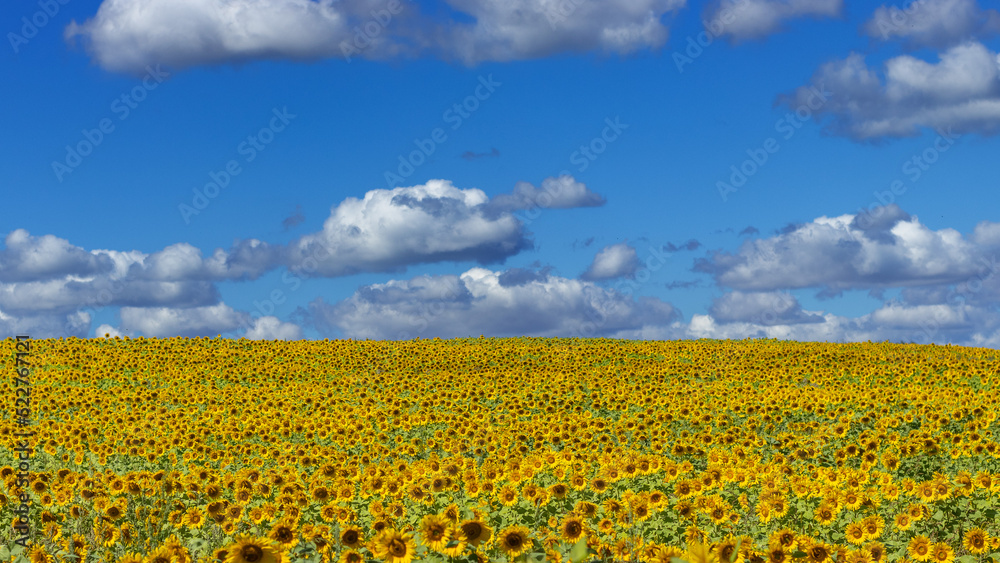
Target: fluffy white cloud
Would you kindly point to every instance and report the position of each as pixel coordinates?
(505, 30)
(388, 230)
(165, 322)
(959, 93)
(933, 23)
(480, 301)
(614, 261)
(851, 252)
(272, 328)
(128, 35)
(752, 19)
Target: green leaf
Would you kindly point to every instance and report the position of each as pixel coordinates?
(579, 551)
(966, 559)
(939, 515)
(677, 560)
(536, 557)
(799, 554)
(4, 553)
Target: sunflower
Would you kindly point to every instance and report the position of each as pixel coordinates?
(572, 529)
(254, 550)
(394, 546)
(456, 542)
(586, 509)
(855, 533)
(698, 552)
(873, 527)
(725, 549)
(351, 537)
(976, 541)
(283, 533)
(784, 538)
(130, 557)
(194, 518)
(858, 556)
(818, 552)
(919, 548)
(476, 531)
(877, 551)
(514, 541)
(942, 553)
(903, 521)
(775, 554)
(351, 556)
(163, 554)
(434, 531)
(37, 554)
(507, 495)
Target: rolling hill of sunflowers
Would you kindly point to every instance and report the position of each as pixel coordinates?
(527, 449)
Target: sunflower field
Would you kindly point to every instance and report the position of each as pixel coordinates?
(503, 450)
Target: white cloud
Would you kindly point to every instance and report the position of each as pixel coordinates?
(128, 35)
(165, 322)
(958, 93)
(391, 229)
(614, 261)
(506, 30)
(751, 19)
(478, 302)
(843, 252)
(272, 328)
(563, 192)
(933, 23)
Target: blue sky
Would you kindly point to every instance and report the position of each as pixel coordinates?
(574, 168)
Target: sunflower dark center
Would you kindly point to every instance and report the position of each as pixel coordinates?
(397, 548)
(252, 553)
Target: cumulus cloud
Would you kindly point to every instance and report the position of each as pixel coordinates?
(933, 23)
(615, 261)
(272, 328)
(165, 322)
(752, 19)
(836, 254)
(763, 308)
(563, 192)
(388, 230)
(476, 302)
(958, 94)
(128, 35)
(27, 258)
(504, 30)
